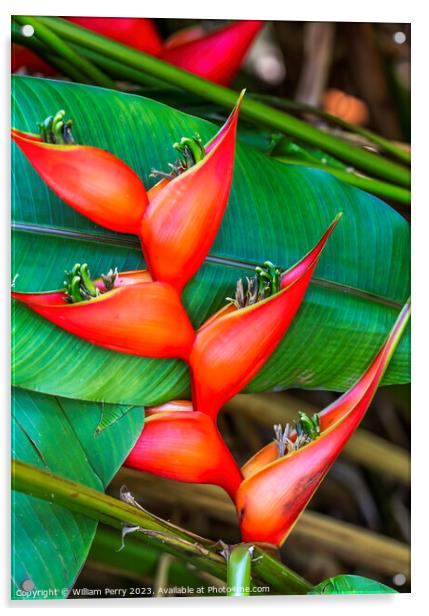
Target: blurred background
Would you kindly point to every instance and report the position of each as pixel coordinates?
(359, 520)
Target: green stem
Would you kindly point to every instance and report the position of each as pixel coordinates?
(45, 53)
(154, 531)
(250, 109)
(139, 561)
(376, 187)
(384, 144)
(114, 69)
(64, 51)
(239, 571)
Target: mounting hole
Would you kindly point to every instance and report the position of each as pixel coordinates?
(27, 30)
(399, 579)
(400, 37)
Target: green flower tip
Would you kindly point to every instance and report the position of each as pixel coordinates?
(54, 129)
(191, 151)
(79, 286)
(307, 429)
(266, 282)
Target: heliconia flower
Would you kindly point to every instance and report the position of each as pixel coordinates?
(90, 180)
(21, 57)
(183, 217)
(136, 32)
(179, 223)
(281, 479)
(233, 345)
(125, 312)
(185, 446)
(216, 56)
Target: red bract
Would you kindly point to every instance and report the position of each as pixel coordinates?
(21, 57)
(138, 316)
(277, 489)
(184, 215)
(135, 32)
(232, 346)
(179, 223)
(92, 181)
(185, 446)
(216, 56)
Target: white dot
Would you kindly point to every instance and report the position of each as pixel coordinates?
(27, 30)
(399, 579)
(270, 68)
(399, 37)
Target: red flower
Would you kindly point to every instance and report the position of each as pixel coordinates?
(93, 181)
(135, 32)
(232, 346)
(136, 316)
(184, 445)
(179, 223)
(184, 214)
(281, 479)
(215, 56)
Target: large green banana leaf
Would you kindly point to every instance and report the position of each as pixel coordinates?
(275, 212)
(49, 543)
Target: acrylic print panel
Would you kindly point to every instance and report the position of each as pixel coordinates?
(211, 314)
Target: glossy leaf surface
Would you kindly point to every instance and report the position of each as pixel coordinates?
(50, 543)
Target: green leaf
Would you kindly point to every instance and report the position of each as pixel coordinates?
(50, 543)
(110, 414)
(350, 585)
(275, 212)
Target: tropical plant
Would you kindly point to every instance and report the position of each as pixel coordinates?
(260, 275)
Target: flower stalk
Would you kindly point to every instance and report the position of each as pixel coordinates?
(239, 564)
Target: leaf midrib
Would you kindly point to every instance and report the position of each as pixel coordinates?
(132, 243)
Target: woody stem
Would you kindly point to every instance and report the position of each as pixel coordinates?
(165, 536)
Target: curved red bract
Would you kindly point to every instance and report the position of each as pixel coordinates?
(92, 181)
(232, 346)
(185, 446)
(276, 489)
(140, 318)
(184, 214)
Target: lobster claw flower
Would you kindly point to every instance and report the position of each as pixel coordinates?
(136, 32)
(185, 446)
(280, 482)
(177, 219)
(232, 345)
(184, 214)
(92, 181)
(215, 56)
(132, 314)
